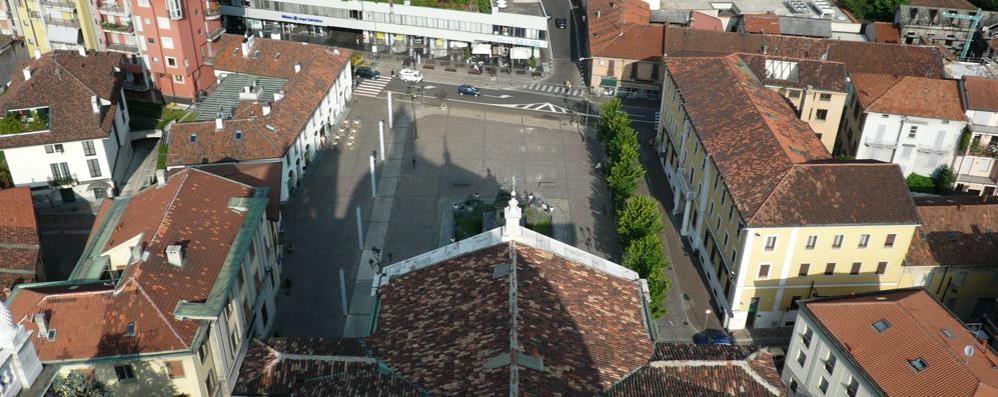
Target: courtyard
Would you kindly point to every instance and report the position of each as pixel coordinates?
(434, 159)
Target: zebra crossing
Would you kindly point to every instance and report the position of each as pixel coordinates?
(556, 89)
(540, 107)
(371, 88)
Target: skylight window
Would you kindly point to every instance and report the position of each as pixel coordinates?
(130, 329)
(194, 138)
(239, 135)
(881, 326)
(948, 333)
(918, 365)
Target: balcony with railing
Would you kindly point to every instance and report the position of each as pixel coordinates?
(934, 149)
(123, 47)
(213, 11)
(216, 33)
(69, 23)
(881, 144)
(117, 27)
(59, 5)
(61, 181)
(112, 8)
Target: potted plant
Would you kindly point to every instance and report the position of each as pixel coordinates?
(532, 63)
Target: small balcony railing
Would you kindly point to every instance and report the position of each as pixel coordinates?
(123, 47)
(932, 149)
(63, 5)
(881, 144)
(69, 23)
(116, 27)
(215, 34)
(981, 150)
(210, 60)
(113, 9)
(59, 181)
(212, 12)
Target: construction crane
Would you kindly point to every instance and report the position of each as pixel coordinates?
(974, 21)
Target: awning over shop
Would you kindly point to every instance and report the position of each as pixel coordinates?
(608, 82)
(63, 34)
(520, 53)
(482, 49)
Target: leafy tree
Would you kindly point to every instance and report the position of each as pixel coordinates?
(624, 176)
(611, 119)
(625, 137)
(6, 180)
(78, 384)
(965, 139)
(11, 125)
(877, 10)
(987, 5)
(356, 60)
(945, 180)
(646, 256)
(532, 62)
(639, 217)
(920, 183)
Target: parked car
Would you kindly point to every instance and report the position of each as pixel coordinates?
(561, 23)
(713, 337)
(466, 89)
(368, 73)
(410, 75)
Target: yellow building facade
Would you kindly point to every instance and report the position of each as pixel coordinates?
(57, 24)
(758, 261)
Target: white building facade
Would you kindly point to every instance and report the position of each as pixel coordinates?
(20, 364)
(816, 367)
(89, 170)
(402, 28)
(919, 145)
(975, 165)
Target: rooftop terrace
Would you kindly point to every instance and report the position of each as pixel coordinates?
(799, 8)
(235, 88)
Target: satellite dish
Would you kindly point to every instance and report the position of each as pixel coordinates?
(968, 351)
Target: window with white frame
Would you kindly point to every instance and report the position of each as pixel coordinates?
(811, 242)
(179, 79)
(166, 42)
(837, 241)
(171, 62)
(864, 240)
(770, 243)
(163, 23)
(763, 272)
(144, 3)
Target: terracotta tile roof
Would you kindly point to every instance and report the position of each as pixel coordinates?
(907, 60)
(193, 209)
(270, 136)
(18, 238)
(953, 4)
(761, 23)
(441, 326)
(621, 29)
(822, 75)
(304, 367)
(838, 192)
(919, 320)
(701, 21)
(65, 82)
(886, 32)
(981, 93)
(703, 371)
(256, 175)
(955, 231)
(909, 96)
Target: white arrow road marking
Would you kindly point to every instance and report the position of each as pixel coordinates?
(503, 96)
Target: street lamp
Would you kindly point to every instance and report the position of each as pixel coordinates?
(706, 316)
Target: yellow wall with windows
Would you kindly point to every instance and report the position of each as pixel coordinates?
(34, 28)
(151, 377)
(959, 288)
(827, 129)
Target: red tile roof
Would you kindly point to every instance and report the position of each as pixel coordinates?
(909, 96)
(918, 320)
(704, 371)
(191, 209)
(320, 67)
(761, 23)
(906, 60)
(886, 32)
(953, 4)
(768, 157)
(981, 93)
(65, 82)
(18, 238)
(441, 326)
(956, 231)
(821, 75)
(305, 367)
(701, 21)
(621, 29)
(256, 175)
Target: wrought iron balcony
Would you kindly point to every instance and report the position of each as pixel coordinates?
(59, 181)
(120, 28)
(63, 5)
(215, 34)
(110, 8)
(70, 23)
(123, 47)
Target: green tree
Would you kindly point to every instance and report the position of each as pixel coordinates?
(639, 217)
(624, 176)
(11, 125)
(920, 183)
(987, 5)
(78, 384)
(877, 10)
(6, 180)
(611, 119)
(945, 180)
(646, 257)
(626, 137)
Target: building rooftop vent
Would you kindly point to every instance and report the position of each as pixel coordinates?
(175, 255)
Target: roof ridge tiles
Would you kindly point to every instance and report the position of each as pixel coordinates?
(744, 365)
(159, 312)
